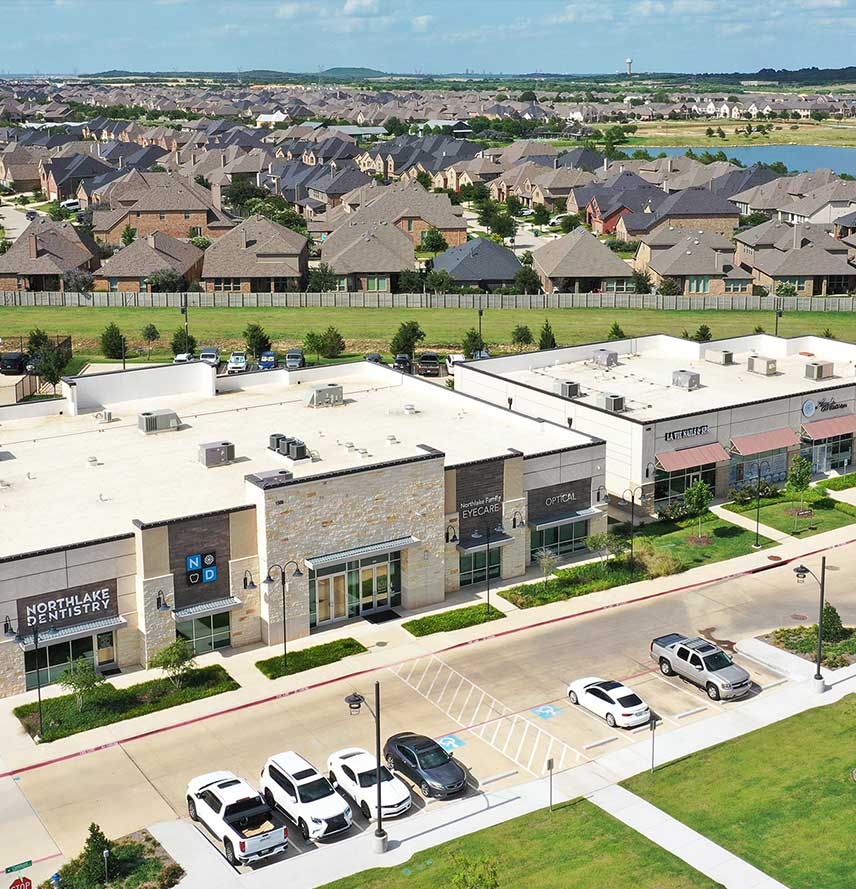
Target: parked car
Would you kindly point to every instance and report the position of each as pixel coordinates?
(210, 355)
(14, 363)
(72, 204)
(353, 771)
(428, 364)
(237, 363)
(702, 663)
(237, 815)
(183, 358)
(31, 215)
(426, 763)
(375, 358)
(403, 363)
(295, 359)
(268, 361)
(452, 360)
(557, 220)
(294, 785)
(482, 353)
(611, 700)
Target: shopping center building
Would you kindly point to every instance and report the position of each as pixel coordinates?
(673, 411)
(154, 503)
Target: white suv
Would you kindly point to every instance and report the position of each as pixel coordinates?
(237, 363)
(296, 787)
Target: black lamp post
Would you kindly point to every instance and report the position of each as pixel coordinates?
(269, 584)
(185, 310)
(759, 465)
(801, 572)
(481, 313)
(8, 630)
(355, 702)
(477, 536)
(780, 310)
(633, 492)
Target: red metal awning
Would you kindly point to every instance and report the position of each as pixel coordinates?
(672, 461)
(745, 445)
(833, 426)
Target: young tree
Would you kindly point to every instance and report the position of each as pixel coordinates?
(513, 204)
(547, 561)
(616, 545)
(112, 341)
(570, 222)
(541, 215)
(312, 344)
(37, 341)
(410, 281)
(78, 281)
(167, 280)
(434, 242)
(833, 628)
(257, 340)
(81, 679)
(697, 499)
(669, 287)
(503, 225)
(332, 343)
(50, 362)
(597, 543)
(641, 282)
(129, 235)
(615, 332)
(521, 336)
(182, 341)
(547, 340)
(527, 258)
(423, 177)
(439, 281)
(322, 279)
(406, 337)
(176, 660)
(526, 280)
(471, 343)
(90, 874)
(151, 335)
(799, 477)
(703, 334)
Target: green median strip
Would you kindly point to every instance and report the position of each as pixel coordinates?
(307, 658)
(813, 514)
(456, 619)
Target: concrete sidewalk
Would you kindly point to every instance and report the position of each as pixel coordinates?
(747, 521)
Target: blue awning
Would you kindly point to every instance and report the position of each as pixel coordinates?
(66, 634)
(564, 519)
(370, 549)
(215, 606)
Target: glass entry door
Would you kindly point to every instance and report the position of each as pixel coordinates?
(374, 586)
(331, 598)
(820, 458)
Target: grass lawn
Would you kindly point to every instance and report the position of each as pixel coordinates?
(452, 620)
(828, 514)
(307, 658)
(577, 846)
(781, 797)
(371, 329)
(109, 704)
(842, 483)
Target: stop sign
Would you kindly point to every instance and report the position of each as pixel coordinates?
(21, 883)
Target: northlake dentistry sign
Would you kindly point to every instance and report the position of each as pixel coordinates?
(67, 608)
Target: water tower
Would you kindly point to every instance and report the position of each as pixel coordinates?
(629, 63)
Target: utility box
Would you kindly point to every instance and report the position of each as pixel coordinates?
(270, 478)
(328, 395)
(605, 358)
(274, 439)
(819, 370)
(764, 367)
(150, 422)
(719, 356)
(217, 453)
(297, 450)
(569, 389)
(612, 403)
(686, 379)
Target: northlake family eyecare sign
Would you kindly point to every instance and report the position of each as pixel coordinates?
(67, 608)
(479, 496)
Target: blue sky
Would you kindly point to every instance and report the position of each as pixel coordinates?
(407, 36)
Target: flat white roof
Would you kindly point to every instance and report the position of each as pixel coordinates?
(643, 375)
(52, 496)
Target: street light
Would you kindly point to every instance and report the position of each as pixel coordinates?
(477, 536)
(9, 630)
(248, 580)
(269, 583)
(633, 492)
(355, 702)
(779, 303)
(759, 465)
(802, 572)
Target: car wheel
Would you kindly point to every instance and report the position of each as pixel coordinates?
(425, 789)
(269, 798)
(610, 720)
(230, 854)
(572, 697)
(666, 667)
(304, 830)
(367, 812)
(191, 809)
(712, 692)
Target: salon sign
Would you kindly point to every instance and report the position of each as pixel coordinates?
(66, 608)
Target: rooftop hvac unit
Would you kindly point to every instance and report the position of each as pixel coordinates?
(686, 379)
(606, 358)
(270, 478)
(765, 367)
(297, 450)
(327, 395)
(274, 439)
(162, 420)
(284, 445)
(613, 403)
(819, 370)
(216, 453)
(103, 417)
(569, 389)
(719, 356)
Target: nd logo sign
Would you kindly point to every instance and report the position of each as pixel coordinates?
(201, 568)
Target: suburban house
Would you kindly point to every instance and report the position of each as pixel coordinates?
(768, 197)
(693, 208)
(700, 265)
(60, 177)
(19, 168)
(257, 256)
(479, 263)
(43, 253)
(578, 262)
(368, 255)
(824, 204)
(129, 269)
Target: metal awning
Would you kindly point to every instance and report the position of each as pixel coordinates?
(215, 606)
(563, 519)
(370, 549)
(672, 461)
(77, 631)
(775, 439)
(476, 544)
(827, 428)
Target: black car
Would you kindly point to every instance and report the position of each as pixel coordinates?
(13, 363)
(426, 763)
(428, 365)
(31, 215)
(403, 363)
(374, 357)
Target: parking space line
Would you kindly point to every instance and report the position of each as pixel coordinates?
(522, 739)
(469, 695)
(690, 712)
(433, 683)
(687, 692)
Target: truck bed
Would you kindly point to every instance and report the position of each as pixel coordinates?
(257, 824)
(668, 639)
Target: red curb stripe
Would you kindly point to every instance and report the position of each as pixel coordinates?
(369, 670)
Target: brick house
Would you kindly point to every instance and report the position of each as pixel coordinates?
(60, 177)
(578, 262)
(693, 209)
(129, 269)
(367, 255)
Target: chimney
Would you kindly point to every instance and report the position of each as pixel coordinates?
(223, 159)
(796, 238)
(216, 197)
(244, 237)
(33, 243)
(605, 164)
(716, 259)
(621, 168)
(668, 164)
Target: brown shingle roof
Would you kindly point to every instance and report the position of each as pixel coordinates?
(150, 254)
(257, 248)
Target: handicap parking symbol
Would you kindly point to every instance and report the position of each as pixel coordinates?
(546, 711)
(451, 742)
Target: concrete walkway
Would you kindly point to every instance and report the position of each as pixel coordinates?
(747, 521)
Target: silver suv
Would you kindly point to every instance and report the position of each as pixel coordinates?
(702, 663)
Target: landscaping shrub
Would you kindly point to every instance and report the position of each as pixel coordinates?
(833, 629)
(455, 619)
(568, 583)
(657, 562)
(842, 483)
(307, 658)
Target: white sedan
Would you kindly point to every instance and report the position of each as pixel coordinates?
(353, 771)
(611, 700)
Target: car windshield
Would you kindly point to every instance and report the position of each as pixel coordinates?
(433, 757)
(718, 661)
(314, 790)
(369, 779)
(630, 700)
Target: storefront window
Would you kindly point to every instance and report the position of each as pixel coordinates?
(773, 467)
(53, 660)
(563, 539)
(350, 589)
(829, 453)
(472, 566)
(206, 632)
(669, 486)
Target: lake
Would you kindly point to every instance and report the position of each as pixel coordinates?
(796, 157)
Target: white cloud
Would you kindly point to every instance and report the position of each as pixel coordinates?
(583, 12)
(647, 8)
(822, 4)
(360, 7)
(421, 22)
(288, 10)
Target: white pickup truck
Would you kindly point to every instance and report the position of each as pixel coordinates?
(237, 815)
